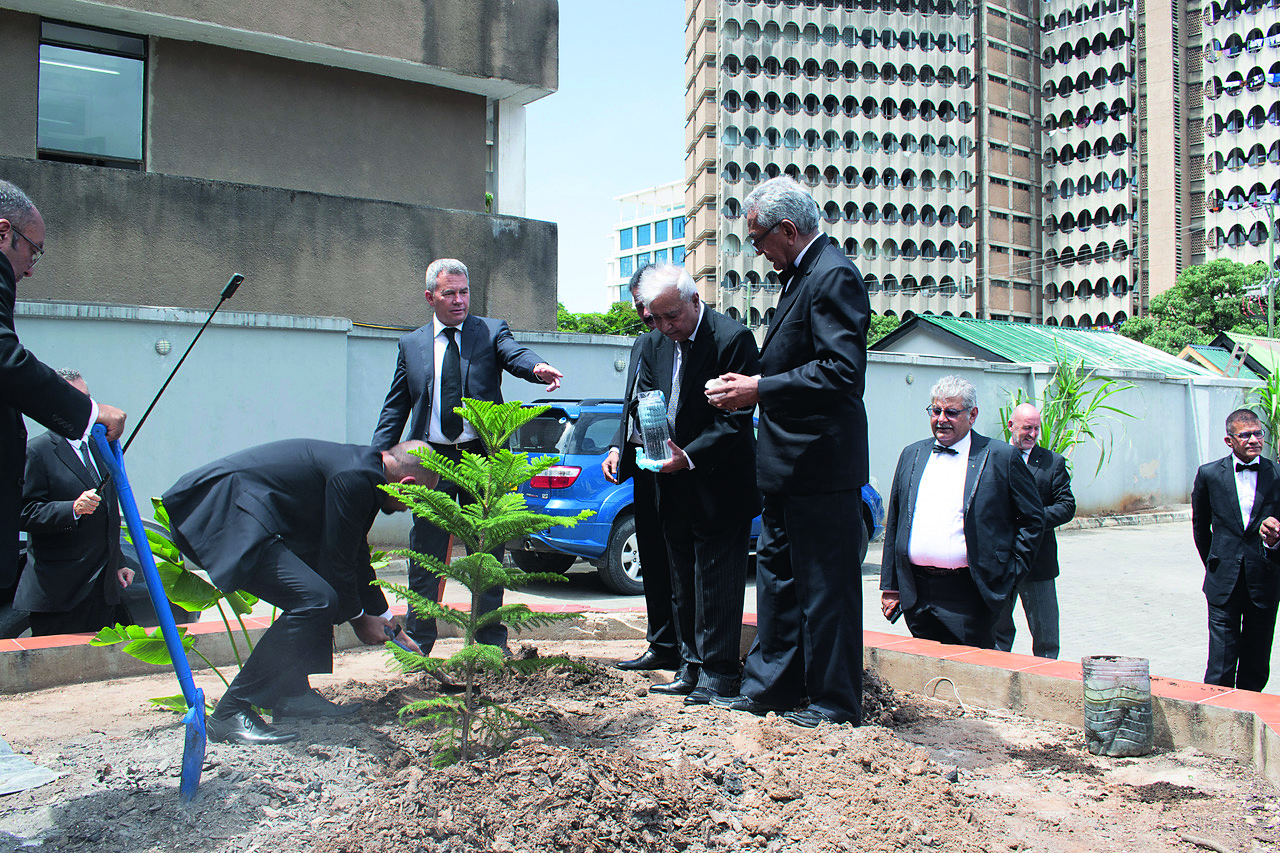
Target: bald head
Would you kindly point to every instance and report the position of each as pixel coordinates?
(1024, 427)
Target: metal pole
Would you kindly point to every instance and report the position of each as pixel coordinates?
(1271, 267)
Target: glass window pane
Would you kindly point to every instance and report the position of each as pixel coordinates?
(660, 231)
(626, 266)
(624, 238)
(677, 228)
(660, 256)
(642, 235)
(89, 103)
(643, 258)
(677, 255)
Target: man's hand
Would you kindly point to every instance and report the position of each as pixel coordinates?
(86, 503)
(113, 419)
(1270, 531)
(889, 601)
(124, 576)
(678, 462)
(374, 631)
(609, 467)
(548, 375)
(737, 392)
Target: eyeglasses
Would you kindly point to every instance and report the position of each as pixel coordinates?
(755, 241)
(39, 252)
(938, 411)
(1245, 436)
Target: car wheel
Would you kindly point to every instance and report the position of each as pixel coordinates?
(540, 561)
(620, 569)
(13, 622)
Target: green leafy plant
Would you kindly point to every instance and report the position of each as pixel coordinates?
(1076, 405)
(192, 593)
(498, 514)
(1265, 400)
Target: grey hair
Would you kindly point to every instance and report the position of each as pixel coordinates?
(955, 386)
(658, 278)
(69, 373)
(15, 205)
(634, 286)
(782, 198)
(445, 266)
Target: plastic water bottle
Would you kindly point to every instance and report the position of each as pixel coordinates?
(654, 429)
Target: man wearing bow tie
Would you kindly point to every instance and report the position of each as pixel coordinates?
(962, 527)
(1229, 499)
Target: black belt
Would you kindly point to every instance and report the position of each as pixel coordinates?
(475, 445)
(938, 570)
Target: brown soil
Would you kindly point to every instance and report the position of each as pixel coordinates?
(615, 769)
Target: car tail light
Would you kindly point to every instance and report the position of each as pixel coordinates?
(556, 477)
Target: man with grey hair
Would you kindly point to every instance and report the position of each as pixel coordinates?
(811, 467)
(28, 386)
(707, 493)
(963, 524)
(456, 355)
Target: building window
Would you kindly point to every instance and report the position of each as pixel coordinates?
(660, 256)
(660, 231)
(677, 254)
(642, 235)
(626, 266)
(89, 106)
(624, 238)
(643, 258)
(677, 228)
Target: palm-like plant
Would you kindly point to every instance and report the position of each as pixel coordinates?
(497, 515)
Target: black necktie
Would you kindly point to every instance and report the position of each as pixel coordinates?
(676, 381)
(1253, 466)
(938, 448)
(87, 458)
(451, 387)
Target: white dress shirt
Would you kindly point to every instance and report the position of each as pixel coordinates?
(434, 434)
(1246, 488)
(937, 523)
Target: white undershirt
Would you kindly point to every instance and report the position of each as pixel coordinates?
(1246, 488)
(937, 522)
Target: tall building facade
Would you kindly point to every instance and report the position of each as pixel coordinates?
(650, 229)
(1035, 162)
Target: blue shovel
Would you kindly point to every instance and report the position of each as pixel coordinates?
(193, 751)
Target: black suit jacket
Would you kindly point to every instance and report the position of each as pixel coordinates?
(27, 387)
(1227, 546)
(487, 348)
(627, 459)
(316, 497)
(65, 553)
(721, 444)
(1003, 519)
(813, 425)
(1049, 470)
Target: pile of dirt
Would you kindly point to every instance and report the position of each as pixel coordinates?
(613, 769)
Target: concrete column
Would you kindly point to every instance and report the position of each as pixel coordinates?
(509, 159)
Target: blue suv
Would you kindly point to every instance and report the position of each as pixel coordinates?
(579, 434)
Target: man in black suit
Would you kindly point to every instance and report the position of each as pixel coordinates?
(74, 570)
(456, 355)
(618, 466)
(1039, 592)
(287, 522)
(963, 525)
(707, 494)
(27, 386)
(811, 466)
(1229, 500)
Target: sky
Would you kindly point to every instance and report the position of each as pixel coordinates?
(614, 126)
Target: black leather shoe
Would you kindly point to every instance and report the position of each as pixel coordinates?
(745, 703)
(247, 728)
(679, 687)
(808, 717)
(311, 705)
(650, 660)
(705, 696)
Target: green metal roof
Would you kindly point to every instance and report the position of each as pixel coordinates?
(1027, 342)
(1265, 351)
(1221, 359)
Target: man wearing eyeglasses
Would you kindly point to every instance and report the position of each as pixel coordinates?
(27, 386)
(1229, 499)
(962, 526)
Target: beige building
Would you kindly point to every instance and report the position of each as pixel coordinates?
(326, 150)
(999, 159)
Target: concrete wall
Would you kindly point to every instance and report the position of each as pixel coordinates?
(19, 38)
(139, 238)
(237, 115)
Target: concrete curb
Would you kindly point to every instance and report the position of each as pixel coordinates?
(1094, 521)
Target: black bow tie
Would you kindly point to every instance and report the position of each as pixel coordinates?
(938, 448)
(1252, 466)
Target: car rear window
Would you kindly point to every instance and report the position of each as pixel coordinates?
(553, 432)
(593, 433)
(544, 434)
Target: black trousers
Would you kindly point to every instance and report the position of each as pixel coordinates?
(426, 538)
(297, 644)
(654, 563)
(1240, 635)
(91, 614)
(949, 609)
(809, 605)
